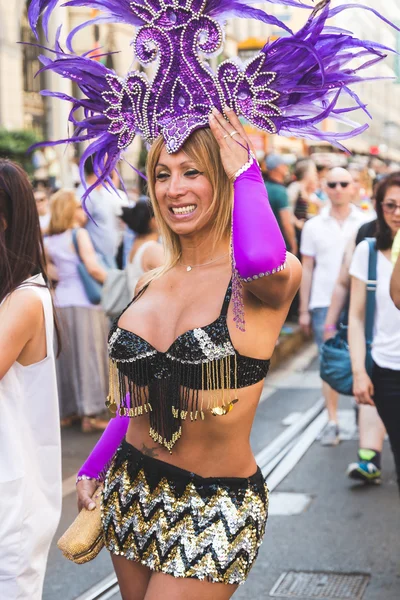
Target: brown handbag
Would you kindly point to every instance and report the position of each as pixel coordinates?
(84, 539)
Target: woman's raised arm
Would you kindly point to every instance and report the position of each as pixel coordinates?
(258, 245)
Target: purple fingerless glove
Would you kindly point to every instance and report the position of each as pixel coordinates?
(258, 245)
(97, 463)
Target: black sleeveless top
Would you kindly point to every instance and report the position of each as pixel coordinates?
(170, 386)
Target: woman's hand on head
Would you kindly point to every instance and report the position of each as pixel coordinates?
(363, 389)
(85, 489)
(233, 148)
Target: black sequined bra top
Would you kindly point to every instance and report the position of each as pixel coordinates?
(200, 371)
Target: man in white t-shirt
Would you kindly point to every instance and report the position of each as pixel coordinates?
(323, 242)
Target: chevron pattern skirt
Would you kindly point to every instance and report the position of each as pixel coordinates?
(178, 523)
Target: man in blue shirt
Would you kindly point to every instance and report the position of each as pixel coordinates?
(278, 171)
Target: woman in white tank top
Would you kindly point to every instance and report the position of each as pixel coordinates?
(30, 447)
(146, 252)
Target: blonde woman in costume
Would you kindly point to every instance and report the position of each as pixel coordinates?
(184, 506)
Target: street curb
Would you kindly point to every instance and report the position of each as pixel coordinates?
(287, 345)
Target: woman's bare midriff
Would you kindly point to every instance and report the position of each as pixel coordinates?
(219, 446)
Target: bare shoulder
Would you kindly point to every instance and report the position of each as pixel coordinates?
(154, 249)
(23, 299)
(140, 284)
(21, 322)
(153, 255)
(23, 306)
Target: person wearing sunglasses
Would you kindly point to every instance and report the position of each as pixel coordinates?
(323, 242)
(371, 431)
(382, 389)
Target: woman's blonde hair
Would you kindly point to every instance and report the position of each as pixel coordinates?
(62, 211)
(203, 149)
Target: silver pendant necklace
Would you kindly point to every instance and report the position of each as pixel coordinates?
(190, 267)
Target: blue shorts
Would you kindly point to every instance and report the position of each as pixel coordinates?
(318, 318)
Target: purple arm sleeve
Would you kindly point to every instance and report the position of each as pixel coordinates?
(99, 459)
(258, 245)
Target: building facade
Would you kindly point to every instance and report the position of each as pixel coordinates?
(21, 105)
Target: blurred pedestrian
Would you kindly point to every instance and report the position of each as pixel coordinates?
(277, 174)
(322, 173)
(383, 388)
(367, 467)
(302, 193)
(146, 253)
(53, 167)
(105, 208)
(75, 175)
(323, 243)
(40, 168)
(129, 234)
(82, 364)
(121, 226)
(360, 197)
(41, 195)
(30, 447)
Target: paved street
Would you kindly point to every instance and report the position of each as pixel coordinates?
(341, 527)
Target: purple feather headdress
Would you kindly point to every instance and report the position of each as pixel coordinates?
(289, 88)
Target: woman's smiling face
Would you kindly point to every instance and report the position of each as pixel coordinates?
(183, 193)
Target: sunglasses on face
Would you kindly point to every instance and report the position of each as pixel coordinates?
(333, 184)
(390, 207)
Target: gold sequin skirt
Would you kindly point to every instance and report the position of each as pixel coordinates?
(178, 523)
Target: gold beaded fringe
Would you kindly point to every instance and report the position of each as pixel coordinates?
(131, 394)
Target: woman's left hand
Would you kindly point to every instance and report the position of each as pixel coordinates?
(363, 388)
(232, 140)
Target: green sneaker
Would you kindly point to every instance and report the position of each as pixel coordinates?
(364, 469)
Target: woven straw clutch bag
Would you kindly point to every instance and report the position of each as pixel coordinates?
(83, 540)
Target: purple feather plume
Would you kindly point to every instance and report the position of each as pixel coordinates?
(138, 13)
(120, 11)
(92, 125)
(215, 8)
(295, 82)
(289, 87)
(320, 71)
(38, 8)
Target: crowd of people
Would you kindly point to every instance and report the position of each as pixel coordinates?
(333, 212)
